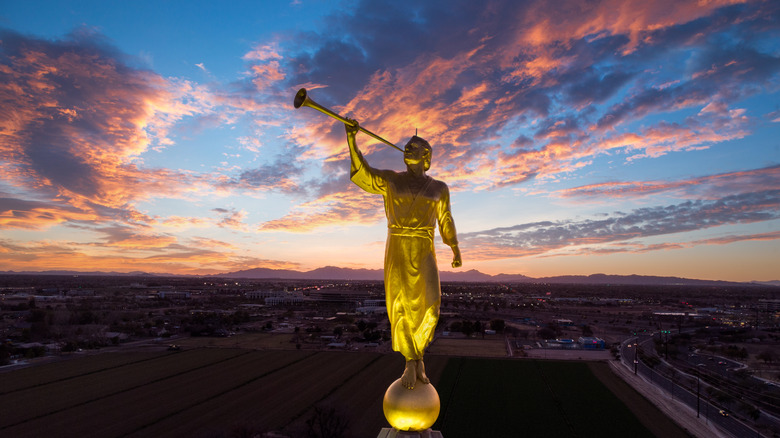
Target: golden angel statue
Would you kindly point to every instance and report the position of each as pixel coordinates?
(414, 204)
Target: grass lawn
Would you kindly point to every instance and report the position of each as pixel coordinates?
(489, 347)
(504, 397)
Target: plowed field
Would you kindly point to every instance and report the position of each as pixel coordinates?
(223, 392)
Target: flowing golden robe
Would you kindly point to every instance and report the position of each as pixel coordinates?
(412, 288)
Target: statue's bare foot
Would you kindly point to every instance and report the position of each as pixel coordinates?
(421, 372)
(409, 376)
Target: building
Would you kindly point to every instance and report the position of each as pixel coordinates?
(174, 295)
(80, 293)
(564, 322)
(563, 344)
(591, 343)
(372, 307)
(261, 294)
(769, 305)
(283, 299)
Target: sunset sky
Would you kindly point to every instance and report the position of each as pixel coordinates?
(577, 137)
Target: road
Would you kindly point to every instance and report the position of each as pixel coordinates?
(706, 410)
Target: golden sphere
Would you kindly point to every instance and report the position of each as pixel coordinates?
(411, 409)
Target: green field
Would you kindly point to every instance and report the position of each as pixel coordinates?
(504, 398)
(223, 392)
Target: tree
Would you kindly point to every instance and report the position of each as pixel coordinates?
(749, 410)
(361, 325)
(587, 331)
(546, 333)
(243, 431)
(372, 335)
(555, 328)
(5, 354)
(326, 422)
(442, 322)
(467, 328)
(768, 356)
(498, 325)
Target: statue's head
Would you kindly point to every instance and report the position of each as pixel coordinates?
(417, 149)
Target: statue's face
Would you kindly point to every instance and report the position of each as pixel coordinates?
(414, 153)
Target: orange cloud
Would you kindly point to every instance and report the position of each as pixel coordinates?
(216, 257)
(183, 222)
(212, 243)
(16, 213)
(346, 208)
(547, 23)
(144, 242)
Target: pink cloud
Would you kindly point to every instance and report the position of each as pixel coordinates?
(394, 101)
(621, 231)
(571, 75)
(636, 247)
(231, 218)
(710, 186)
(74, 121)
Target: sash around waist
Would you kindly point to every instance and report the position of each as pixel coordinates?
(411, 232)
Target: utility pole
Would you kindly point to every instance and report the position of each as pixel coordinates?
(698, 391)
(664, 336)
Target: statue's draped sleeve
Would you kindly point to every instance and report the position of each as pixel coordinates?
(366, 177)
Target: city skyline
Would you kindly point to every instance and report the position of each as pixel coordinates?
(577, 138)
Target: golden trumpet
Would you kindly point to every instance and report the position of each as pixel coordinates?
(302, 99)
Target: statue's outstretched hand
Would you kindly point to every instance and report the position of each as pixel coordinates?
(457, 262)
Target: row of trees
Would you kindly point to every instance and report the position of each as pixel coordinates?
(367, 331)
(468, 327)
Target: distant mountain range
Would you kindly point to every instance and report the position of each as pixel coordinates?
(472, 276)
